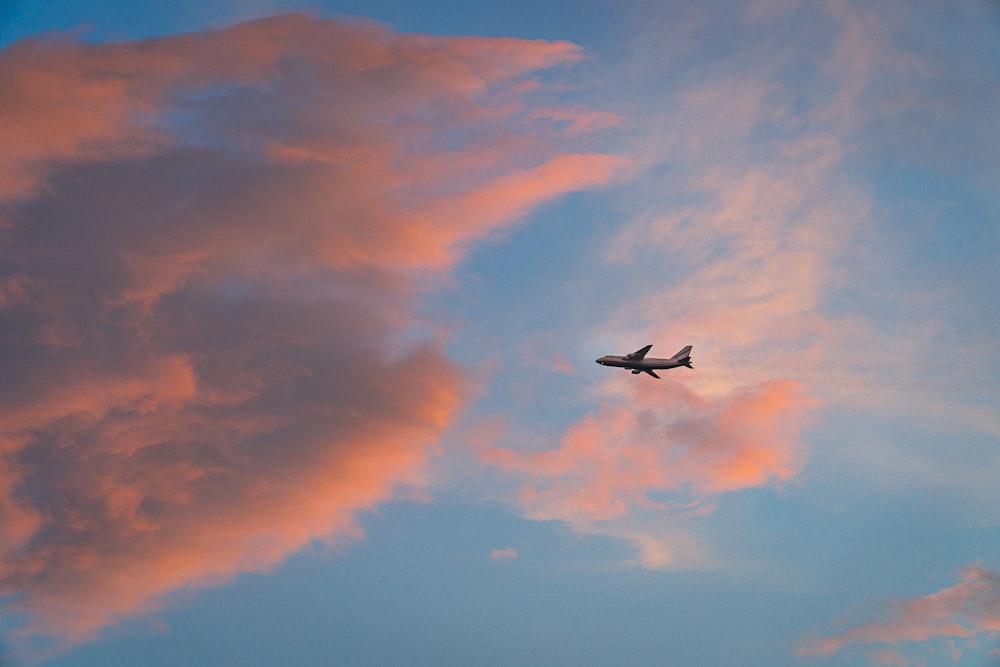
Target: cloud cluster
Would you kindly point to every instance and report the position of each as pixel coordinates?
(663, 450)
(753, 236)
(210, 355)
(967, 613)
(732, 244)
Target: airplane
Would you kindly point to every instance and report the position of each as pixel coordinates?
(638, 363)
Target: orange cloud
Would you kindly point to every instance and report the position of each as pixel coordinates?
(733, 247)
(208, 284)
(508, 553)
(659, 448)
(968, 610)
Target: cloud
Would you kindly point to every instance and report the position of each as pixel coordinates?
(211, 355)
(760, 217)
(967, 613)
(662, 449)
(508, 553)
(731, 242)
(752, 234)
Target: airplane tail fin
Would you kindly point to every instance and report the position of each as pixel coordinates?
(683, 357)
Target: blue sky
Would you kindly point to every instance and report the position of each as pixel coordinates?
(299, 307)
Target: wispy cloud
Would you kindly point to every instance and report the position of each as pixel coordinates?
(209, 349)
(732, 252)
(663, 450)
(957, 619)
(749, 236)
(507, 553)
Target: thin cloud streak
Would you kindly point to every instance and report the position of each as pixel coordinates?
(968, 611)
(208, 302)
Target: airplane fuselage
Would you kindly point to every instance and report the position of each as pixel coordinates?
(651, 364)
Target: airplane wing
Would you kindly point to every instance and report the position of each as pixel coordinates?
(639, 354)
(650, 371)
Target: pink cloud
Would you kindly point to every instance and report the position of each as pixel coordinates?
(969, 610)
(208, 279)
(736, 251)
(732, 246)
(508, 553)
(661, 441)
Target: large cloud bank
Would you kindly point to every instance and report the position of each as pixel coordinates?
(210, 352)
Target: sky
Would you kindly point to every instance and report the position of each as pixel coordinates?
(299, 308)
